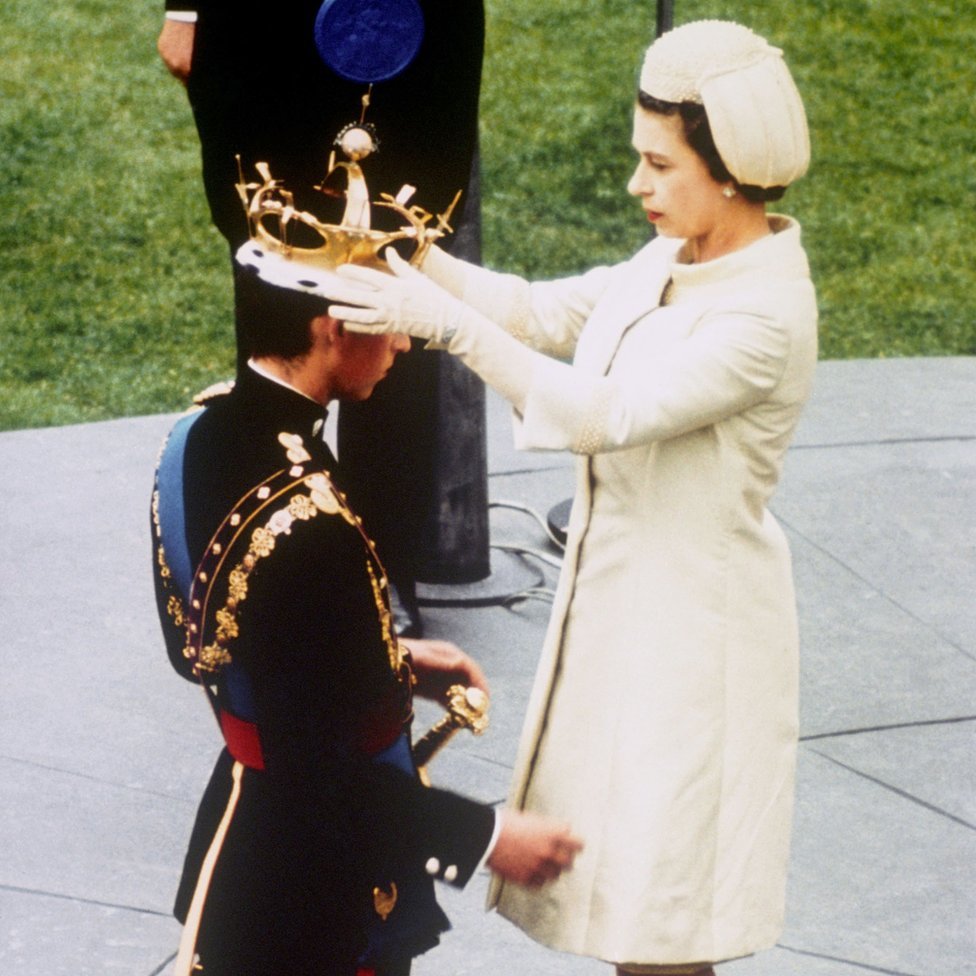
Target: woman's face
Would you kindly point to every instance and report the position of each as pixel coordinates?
(676, 190)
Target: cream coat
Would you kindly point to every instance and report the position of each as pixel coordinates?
(663, 721)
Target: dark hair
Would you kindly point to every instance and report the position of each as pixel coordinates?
(699, 135)
(273, 321)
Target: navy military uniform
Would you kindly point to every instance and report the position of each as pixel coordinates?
(316, 819)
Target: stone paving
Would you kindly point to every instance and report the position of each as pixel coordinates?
(104, 751)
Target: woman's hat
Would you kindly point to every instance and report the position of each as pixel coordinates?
(754, 109)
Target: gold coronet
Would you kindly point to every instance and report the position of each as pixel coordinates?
(274, 221)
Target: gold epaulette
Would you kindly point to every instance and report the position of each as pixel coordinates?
(213, 391)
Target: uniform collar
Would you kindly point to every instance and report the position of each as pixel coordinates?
(280, 405)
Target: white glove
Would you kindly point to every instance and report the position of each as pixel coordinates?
(406, 302)
(505, 299)
(409, 303)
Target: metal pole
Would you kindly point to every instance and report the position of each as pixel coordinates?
(665, 16)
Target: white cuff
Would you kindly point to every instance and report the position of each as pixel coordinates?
(183, 16)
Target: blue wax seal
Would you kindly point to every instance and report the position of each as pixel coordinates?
(368, 40)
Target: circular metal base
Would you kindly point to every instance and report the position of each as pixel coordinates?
(510, 575)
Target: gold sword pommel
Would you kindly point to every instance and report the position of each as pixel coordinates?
(467, 708)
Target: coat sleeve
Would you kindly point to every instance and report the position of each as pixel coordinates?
(320, 673)
(547, 316)
(729, 363)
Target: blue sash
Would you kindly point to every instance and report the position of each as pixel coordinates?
(172, 515)
(236, 693)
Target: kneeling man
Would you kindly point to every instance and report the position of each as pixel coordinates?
(315, 845)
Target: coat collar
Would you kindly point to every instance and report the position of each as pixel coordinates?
(642, 281)
(635, 290)
(775, 254)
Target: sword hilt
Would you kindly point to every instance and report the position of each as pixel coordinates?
(467, 708)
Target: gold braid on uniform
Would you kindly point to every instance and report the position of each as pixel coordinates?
(174, 605)
(209, 633)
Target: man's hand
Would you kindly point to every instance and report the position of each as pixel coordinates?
(438, 664)
(175, 46)
(532, 850)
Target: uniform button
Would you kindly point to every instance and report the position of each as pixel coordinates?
(433, 867)
(450, 872)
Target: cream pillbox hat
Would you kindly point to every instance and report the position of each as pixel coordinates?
(754, 109)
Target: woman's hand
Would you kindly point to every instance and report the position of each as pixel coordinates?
(405, 302)
(439, 664)
(409, 303)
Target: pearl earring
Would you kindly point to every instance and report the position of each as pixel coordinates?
(728, 192)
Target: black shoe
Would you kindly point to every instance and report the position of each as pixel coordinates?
(406, 612)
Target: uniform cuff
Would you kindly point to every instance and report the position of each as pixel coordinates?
(184, 16)
(492, 841)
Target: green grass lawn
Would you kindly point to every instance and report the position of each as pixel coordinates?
(114, 289)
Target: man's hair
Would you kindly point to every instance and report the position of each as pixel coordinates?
(699, 135)
(273, 321)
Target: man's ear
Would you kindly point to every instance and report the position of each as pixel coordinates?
(327, 329)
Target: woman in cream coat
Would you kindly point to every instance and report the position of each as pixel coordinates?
(663, 721)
